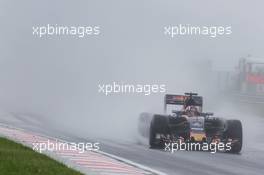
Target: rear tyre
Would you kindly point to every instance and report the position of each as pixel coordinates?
(158, 126)
(152, 138)
(234, 132)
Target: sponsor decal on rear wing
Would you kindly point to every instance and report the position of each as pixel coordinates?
(174, 99)
(181, 100)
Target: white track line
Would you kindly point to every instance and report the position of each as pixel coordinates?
(97, 161)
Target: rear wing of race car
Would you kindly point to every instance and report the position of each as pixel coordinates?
(171, 99)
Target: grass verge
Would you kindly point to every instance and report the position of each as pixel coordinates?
(16, 159)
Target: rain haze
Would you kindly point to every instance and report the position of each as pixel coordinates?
(54, 79)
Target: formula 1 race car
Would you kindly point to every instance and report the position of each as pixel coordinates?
(189, 124)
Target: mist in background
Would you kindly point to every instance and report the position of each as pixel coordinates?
(55, 79)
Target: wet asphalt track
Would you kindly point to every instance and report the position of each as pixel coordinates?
(249, 162)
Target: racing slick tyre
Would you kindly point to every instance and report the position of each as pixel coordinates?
(234, 132)
(159, 125)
